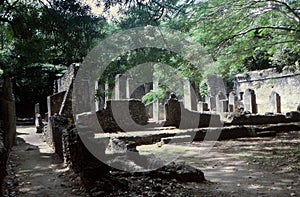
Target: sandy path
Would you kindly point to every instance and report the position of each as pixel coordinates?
(38, 169)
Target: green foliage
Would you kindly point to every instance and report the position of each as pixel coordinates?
(153, 96)
(245, 34)
(38, 37)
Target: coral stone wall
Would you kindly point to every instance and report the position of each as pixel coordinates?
(263, 82)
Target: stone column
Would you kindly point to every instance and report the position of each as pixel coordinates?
(211, 102)
(190, 98)
(233, 102)
(106, 91)
(202, 106)
(120, 87)
(215, 84)
(135, 90)
(275, 101)
(98, 99)
(221, 101)
(250, 101)
(155, 104)
(37, 108)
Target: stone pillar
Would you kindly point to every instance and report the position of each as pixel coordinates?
(98, 99)
(190, 98)
(202, 106)
(129, 88)
(275, 101)
(48, 134)
(211, 102)
(173, 111)
(37, 108)
(233, 102)
(250, 101)
(106, 92)
(215, 84)
(155, 104)
(221, 101)
(120, 87)
(59, 85)
(134, 90)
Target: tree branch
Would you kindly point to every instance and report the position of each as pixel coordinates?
(288, 7)
(222, 42)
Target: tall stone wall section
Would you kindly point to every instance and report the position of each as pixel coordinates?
(7, 124)
(265, 83)
(60, 105)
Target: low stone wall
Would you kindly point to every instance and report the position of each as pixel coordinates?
(251, 119)
(178, 116)
(7, 124)
(79, 158)
(122, 115)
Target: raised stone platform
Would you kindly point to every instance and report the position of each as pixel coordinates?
(199, 134)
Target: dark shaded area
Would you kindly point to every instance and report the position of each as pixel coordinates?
(7, 124)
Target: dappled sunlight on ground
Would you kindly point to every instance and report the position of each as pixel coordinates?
(244, 167)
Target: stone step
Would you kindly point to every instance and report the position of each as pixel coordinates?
(176, 139)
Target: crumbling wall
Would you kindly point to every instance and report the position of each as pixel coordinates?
(7, 124)
(264, 82)
(178, 116)
(60, 109)
(116, 109)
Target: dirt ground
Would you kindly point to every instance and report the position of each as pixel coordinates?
(35, 170)
(267, 166)
(243, 167)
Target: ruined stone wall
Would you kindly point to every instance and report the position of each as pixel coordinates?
(60, 109)
(7, 124)
(264, 82)
(127, 112)
(64, 82)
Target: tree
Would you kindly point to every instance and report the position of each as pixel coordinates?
(239, 29)
(40, 39)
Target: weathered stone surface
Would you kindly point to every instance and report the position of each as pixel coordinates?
(3, 159)
(202, 107)
(123, 115)
(54, 102)
(248, 119)
(64, 82)
(178, 116)
(268, 80)
(120, 87)
(134, 90)
(215, 85)
(233, 102)
(250, 101)
(79, 158)
(275, 101)
(173, 111)
(7, 124)
(221, 103)
(211, 101)
(58, 123)
(190, 98)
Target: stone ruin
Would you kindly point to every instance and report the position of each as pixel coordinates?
(7, 124)
(229, 115)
